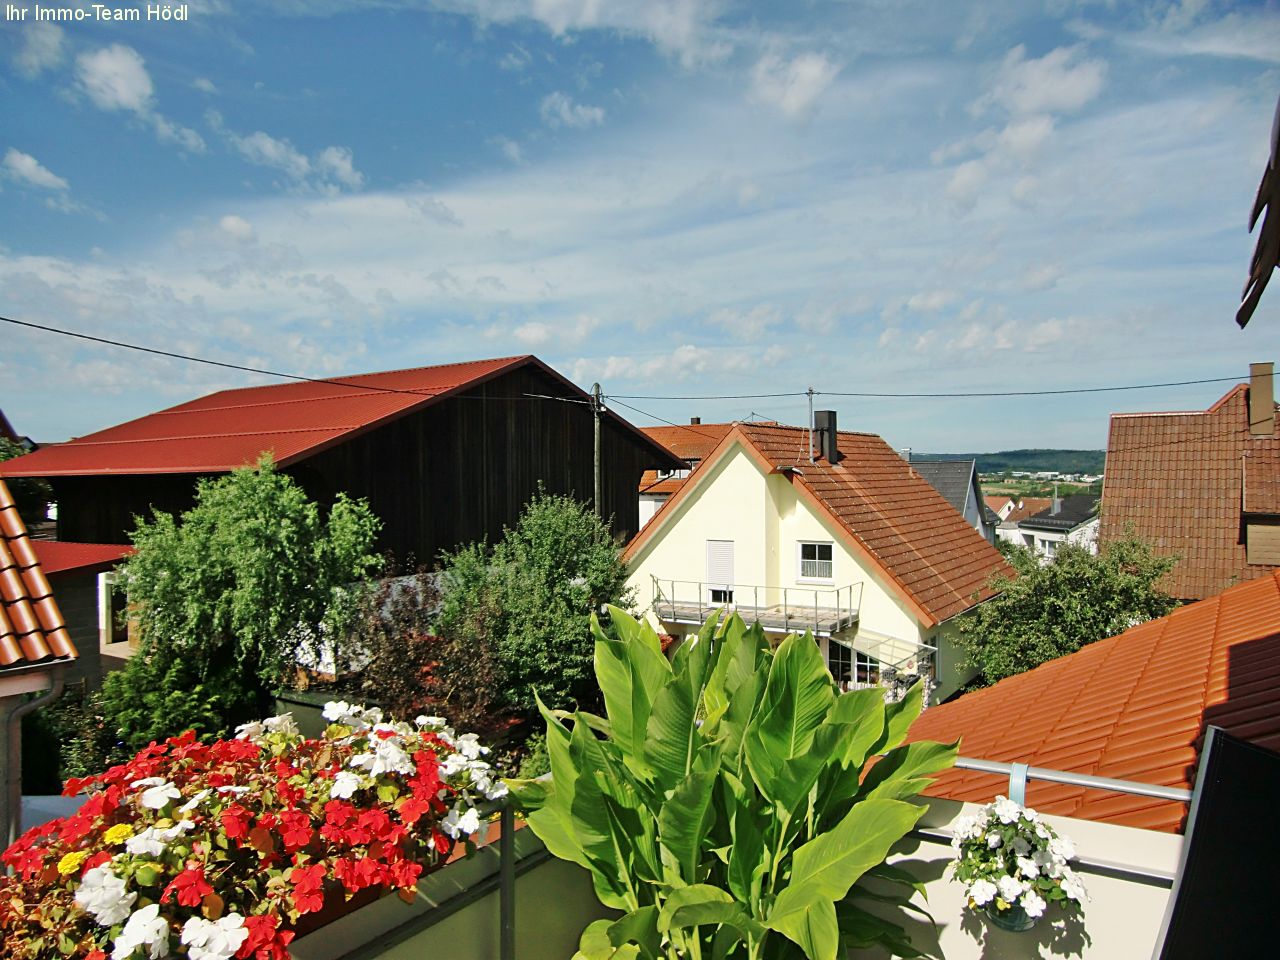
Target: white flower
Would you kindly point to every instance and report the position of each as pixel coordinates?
(345, 784)
(1072, 886)
(102, 894)
(151, 842)
(1033, 903)
(497, 791)
(993, 840)
(1031, 814)
(250, 731)
(1010, 888)
(1028, 868)
(1006, 810)
(457, 822)
(146, 782)
(336, 711)
(280, 724)
(982, 892)
(388, 756)
(969, 828)
(452, 765)
(195, 801)
(157, 797)
(436, 722)
(214, 939)
(146, 928)
(1062, 849)
(469, 746)
(231, 788)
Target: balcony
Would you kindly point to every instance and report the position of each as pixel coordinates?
(776, 609)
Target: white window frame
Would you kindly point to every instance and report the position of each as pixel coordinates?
(800, 561)
(117, 648)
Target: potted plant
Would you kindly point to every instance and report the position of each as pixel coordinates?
(1013, 865)
(231, 848)
(730, 802)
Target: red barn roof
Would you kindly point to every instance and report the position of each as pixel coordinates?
(32, 631)
(1132, 707)
(233, 428)
(65, 556)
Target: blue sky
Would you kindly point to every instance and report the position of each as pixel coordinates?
(674, 198)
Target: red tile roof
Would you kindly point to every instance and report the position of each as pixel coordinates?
(996, 503)
(889, 514)
(1027, 507)
(1262, 479)
(32, 631)
(1178, 480)
(64, 556)
(232, 428)
(1132, 707)
(689, 443)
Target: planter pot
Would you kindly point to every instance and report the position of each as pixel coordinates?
(1015, 918)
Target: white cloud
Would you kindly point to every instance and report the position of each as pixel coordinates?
(559, 110)
(328, 171)
(793, 86)
(931, 301)
(266, 151)
(1058, 82)
(236, 227)
(966, 183)
(746, 324)
(337, 163)
(43, 48)
(517, 58)
(204, 85)
(1185, 31)
(115, 78)
(510, 149)
(26, 169)
(1041, 277)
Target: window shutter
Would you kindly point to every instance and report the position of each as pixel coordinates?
(719, 564)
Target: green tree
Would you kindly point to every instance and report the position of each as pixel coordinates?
(225, 599)
(31, 494)
(527, 604)
(1049, 611)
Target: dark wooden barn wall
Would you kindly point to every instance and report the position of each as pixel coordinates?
(456, 472)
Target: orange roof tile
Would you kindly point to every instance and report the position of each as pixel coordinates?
(996, 503)
(1179, 481)
(691, 442)
(1132, 707)
(32, 631)
(1027, 507)
(887, 511)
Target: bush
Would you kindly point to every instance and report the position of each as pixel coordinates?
(1055, 609)
(523, 610)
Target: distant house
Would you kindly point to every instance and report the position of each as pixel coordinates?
(852, 545)
(1072, 519)
(957, 481)
(1131, 707)
(445, 455)
(1000, 506)
(36, 652)
(81, 576)
(1008, 528)
(691, 444)
(1201, 485)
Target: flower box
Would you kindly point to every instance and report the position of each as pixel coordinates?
(234, 848)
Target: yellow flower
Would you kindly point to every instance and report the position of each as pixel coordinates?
(118, 834)
(71, 862)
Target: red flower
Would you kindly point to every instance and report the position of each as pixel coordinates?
(95, 955)
(265, 941)
(235, 822)
(97, 860)
(307, 887)
(26, 861)
(358, 874)
(190, 887)
(295, 830)
(412, 808)
(405, 873)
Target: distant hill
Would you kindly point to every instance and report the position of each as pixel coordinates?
(1063, 461)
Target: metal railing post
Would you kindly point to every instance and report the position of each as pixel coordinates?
(507, 884)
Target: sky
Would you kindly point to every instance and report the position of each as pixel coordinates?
(675, 198)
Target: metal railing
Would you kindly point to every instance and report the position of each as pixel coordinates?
(786, 608)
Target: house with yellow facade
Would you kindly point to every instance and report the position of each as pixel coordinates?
(827, 531)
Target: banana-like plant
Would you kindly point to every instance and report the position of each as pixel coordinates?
(725, 806)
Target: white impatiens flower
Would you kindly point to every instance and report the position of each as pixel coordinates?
(337, 711)
(457, 822)
(1072, 886)
(214, 939)
(195, 801)
(102, 894)
(1007, 810)
(146, 782)
(344, 785)
(233, 789)
(152, 841)
(436, 723)
(993, 840)
(1033, 903)
(158, 797)
(469, 746)
(1010, 888)
(982, 892)
(146, 928)
(250, 731)
(1028, 868)
(386, 756)
(280, 724)
(1062, 849)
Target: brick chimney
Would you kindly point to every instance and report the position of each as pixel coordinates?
(1262, 400)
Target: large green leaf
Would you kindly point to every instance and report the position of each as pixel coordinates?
(747, 826)
(816, 930)
(899, 717)
(639, 927)
(828, 865)
(779, 740)
(672, 738)
(904, 772)
(701, 903)
(863, 711)
(630, 674)
(743, 679)
(687, 817)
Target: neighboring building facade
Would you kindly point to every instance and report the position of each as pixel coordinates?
(1072, 519)
(853, 546)
(445, 455)
(81, 576)
(957, 481)
(1131, 707)
(691, 444)
(1017, 511)
(1200, 485)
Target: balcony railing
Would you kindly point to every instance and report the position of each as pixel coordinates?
(777, 609)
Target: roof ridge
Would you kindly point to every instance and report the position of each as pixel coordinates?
(339, 380)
